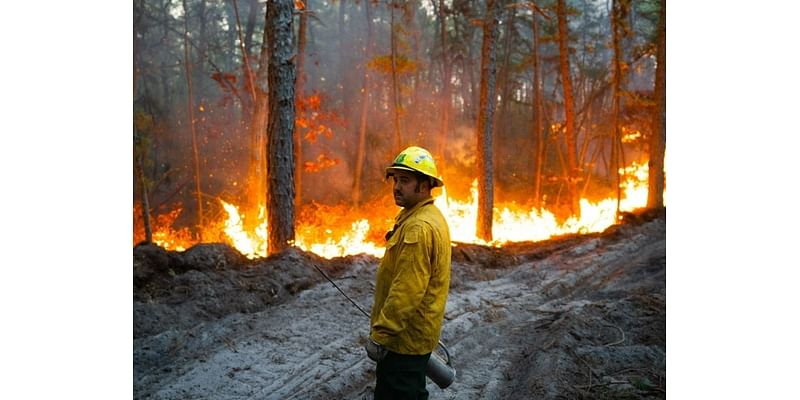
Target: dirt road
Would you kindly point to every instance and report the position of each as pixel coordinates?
(576, 317)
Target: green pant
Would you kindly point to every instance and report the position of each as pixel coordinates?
(401, 377)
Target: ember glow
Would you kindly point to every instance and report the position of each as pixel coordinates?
(511, 223)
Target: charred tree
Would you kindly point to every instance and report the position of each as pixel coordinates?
(299, 96)
(365, 93)
(280, 193)
(485, 114)
(569, 109)
(190, 105)
(658, 141)
(538, 123)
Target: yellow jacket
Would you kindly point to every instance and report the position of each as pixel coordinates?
(412, 282)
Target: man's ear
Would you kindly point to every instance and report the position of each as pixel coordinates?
(430, 184)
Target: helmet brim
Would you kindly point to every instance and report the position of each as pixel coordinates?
(389, 172)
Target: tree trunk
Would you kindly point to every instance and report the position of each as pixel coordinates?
(395, 88)
(248, 74)
(251, 24)
(202, 46)
(190, 105)
(446, 96)
(412, 33)
(485, 114)
(572, 167)
(466, 81)
(148, 231)
(658, 142)
(280, 195)
(538, 127)
(344, 60)
(257, 166)
(501, 117)
(231, 63)
(474, 90)
(299, 95)
(166, 89)
(616, 145)
(362, 129)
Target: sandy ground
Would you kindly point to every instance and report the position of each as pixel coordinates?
(575, 317)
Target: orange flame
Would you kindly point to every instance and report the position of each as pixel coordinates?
(511, 223)
(251, 245)
(163, 234)
(351, 242)
(323, 161)
(515, 224)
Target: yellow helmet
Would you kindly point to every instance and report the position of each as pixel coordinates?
(416, 159)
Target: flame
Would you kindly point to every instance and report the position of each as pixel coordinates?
(251, 245)
(163, 234)
(635, 187)
(630, 136)
(329, 233)
(323, 161)
(514, 224)
(352, 242)
(254, 244)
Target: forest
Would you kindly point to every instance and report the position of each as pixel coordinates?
(267, 125)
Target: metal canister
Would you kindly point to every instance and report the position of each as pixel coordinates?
(440, 371)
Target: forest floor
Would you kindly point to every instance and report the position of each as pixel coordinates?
(581, 316)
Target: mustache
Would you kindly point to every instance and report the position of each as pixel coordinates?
(396, 193)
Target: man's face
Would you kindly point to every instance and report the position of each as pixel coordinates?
(407, 191)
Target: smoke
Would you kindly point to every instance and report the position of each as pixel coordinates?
(330, 185)
(338, 57)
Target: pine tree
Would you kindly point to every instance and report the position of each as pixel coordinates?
(280, 192)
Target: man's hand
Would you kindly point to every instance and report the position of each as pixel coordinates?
(375, 351)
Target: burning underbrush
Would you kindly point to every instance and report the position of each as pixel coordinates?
(575, 316)
(340, 230)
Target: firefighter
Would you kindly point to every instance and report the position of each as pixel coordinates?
(412, 281)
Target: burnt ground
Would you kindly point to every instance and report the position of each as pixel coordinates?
(572, 317)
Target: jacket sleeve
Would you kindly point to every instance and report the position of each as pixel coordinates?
(408, 286)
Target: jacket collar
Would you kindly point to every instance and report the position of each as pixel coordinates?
(407, 212)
